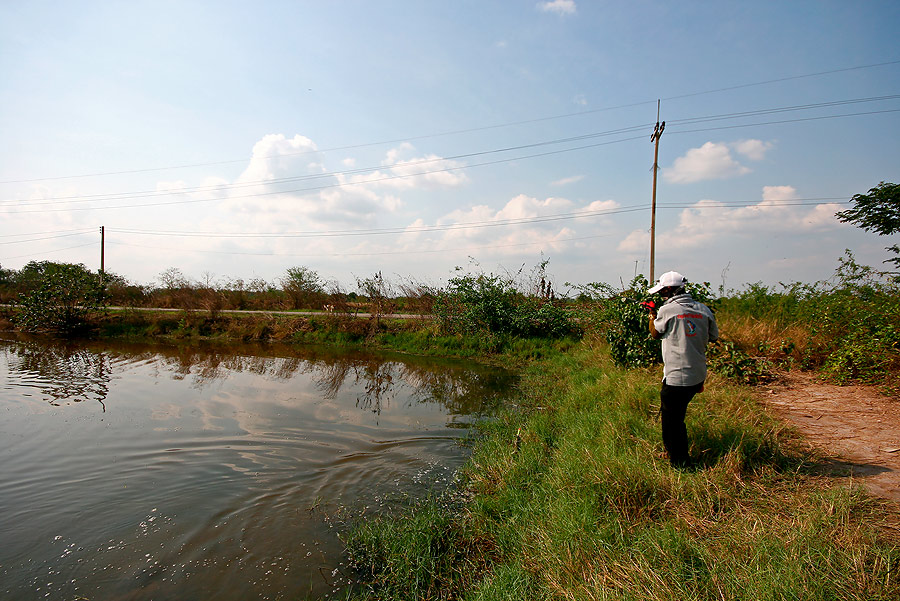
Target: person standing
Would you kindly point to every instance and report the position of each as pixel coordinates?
(685, 327)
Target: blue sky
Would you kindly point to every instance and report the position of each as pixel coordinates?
(235, 140)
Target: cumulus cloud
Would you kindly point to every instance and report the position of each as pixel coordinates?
(710, 220)
(276, 156)
(506, 230)
(289, 186)
(560, 7)
(714, 160)
(755, 150)
(710, 161)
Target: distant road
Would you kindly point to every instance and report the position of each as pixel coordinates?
(288, 313)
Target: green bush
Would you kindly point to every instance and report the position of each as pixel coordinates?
(61, 298)
(622, 321)
(628, 332)
(492, 304)
(727, 360)
(852, 321)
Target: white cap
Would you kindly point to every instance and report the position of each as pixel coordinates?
(669, 279)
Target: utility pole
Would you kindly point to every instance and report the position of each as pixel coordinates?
(657, 134)
(102, 252)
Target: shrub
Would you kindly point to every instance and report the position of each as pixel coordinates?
(304, 287)
(61, 299)
(627, 332)
(851, 324)
(492, 304)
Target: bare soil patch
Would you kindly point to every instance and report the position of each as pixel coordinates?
(856, 428)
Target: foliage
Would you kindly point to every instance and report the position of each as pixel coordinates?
(878, 211)
(571, 497)
(481, 303)
(61, 297)
(378, 293)
(304, 287)
(730, 361)
(630, 344)
(849, 327)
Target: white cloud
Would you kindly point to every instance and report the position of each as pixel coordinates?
(708, 221)
(568, 180)
(710, 161)
(319, 198)
(560, 7)
(755, 150)
(276, 156)
(580, 100)
(637, 242)
(488, 229)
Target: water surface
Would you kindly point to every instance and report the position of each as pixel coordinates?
(151, 472)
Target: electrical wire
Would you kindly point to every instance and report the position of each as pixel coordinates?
(339, 174)
(43, 238)
(455, 132)
(448, 169)
(798, 120)
(327, 186)
(472, 225)
(369, 253)
(46, 233)
(480, 224)
(345, 173)
(57, 250)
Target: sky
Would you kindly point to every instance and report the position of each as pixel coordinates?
(235, 140)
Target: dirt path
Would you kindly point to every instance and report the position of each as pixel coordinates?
(856, 426)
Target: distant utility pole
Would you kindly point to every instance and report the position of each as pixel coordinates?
(657, 134)
(102, 252)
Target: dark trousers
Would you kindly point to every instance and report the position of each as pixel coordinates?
(672, 408)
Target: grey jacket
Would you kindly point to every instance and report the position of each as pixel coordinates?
(686, 327)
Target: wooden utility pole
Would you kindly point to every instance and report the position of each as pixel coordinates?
(102, 252)
(657, 134)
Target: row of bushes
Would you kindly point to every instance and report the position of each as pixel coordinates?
(300, 288)
(848, 327)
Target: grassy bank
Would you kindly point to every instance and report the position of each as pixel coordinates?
(571, 497)
(414, 336)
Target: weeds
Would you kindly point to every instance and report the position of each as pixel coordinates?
(572, 497)
(489, 304)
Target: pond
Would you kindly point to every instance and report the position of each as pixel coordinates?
(210, 472)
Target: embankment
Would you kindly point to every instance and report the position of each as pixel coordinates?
(569, 496)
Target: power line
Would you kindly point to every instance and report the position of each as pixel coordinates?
(455, 132)
(369, 253)
(43, 238)
(784, 109)
(448, 169)
(471, 225)
(477, 224)
(418, 251)
(782, 79)
(418, 163)
(46, 233)
(783, 121)
(345, 173)
(336, 185)
(58, 250)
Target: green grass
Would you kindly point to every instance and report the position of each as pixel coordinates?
(572, 497)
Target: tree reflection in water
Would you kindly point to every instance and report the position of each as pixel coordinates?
(64, 373)
(76, 372)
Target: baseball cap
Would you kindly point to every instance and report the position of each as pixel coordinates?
(669, 278)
